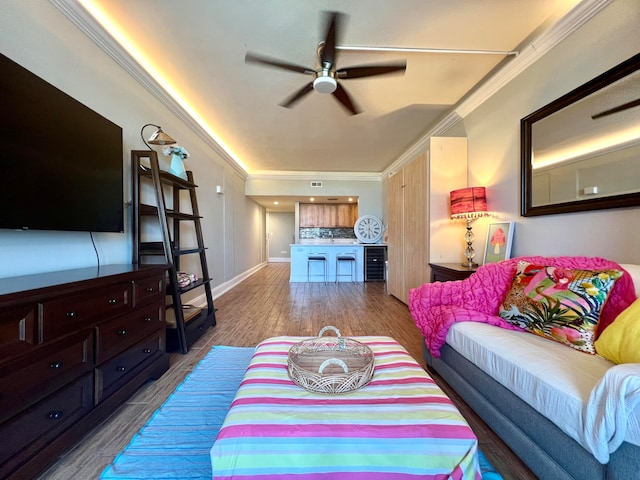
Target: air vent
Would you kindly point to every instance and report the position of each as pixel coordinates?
(332, 199)
(316, 184)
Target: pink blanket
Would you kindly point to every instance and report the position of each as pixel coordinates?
(436, 306)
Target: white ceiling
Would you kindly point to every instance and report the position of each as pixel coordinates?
(195, 49)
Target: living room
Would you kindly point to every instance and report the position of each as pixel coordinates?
(39, 37)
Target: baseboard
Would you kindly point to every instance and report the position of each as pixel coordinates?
(279, 260)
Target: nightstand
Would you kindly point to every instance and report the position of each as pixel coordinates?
(446, 272)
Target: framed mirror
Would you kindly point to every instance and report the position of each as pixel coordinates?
(582, 151)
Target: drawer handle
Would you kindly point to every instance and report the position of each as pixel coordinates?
(71, 314)
(147, 350)
(121, 369)
(150, 289)
(122, 332)
(56, 365)
(55, 415)
(112, 301)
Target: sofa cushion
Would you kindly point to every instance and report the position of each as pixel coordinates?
(619, 342)
(558, 303)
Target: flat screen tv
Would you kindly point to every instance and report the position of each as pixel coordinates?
(61, 163)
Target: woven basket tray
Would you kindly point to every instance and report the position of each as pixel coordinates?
(330, 364)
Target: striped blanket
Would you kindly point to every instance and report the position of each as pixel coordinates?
(400, 426)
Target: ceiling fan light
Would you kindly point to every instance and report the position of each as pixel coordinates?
(325, 84)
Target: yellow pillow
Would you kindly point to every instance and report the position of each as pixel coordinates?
(620, 341)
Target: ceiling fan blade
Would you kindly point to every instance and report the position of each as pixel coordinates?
(272, 62)
(619, 108)
(370, 70)
(296, 96)
(345, 100)
(328, 52)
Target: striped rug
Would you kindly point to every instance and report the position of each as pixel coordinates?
(176, 441)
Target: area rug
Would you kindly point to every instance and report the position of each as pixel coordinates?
(176, 441)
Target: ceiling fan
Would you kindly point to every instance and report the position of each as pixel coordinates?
(326, 76)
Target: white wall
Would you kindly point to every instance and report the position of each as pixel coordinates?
(493, 131)
(369, 190)
(39, 37)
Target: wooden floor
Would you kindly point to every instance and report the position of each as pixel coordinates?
(266, 305)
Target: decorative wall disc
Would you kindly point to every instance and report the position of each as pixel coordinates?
(368, 229)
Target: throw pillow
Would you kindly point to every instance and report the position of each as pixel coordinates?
(619, 342)
(558, 303)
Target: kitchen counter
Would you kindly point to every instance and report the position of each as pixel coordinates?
(300, 252)
(327, 241)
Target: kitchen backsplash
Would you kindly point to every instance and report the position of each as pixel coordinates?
(309, 233)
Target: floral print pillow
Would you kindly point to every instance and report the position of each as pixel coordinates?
(558, 303)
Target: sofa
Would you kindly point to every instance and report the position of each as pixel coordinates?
(568, 414)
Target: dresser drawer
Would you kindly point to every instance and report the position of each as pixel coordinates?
(30, 378)
(67, 314)
(147, 290)
(117, 335)
(38, 425)
(18, 332)
(116, 372)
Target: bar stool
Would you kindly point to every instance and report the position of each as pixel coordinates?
(317, 258)
(352, 267)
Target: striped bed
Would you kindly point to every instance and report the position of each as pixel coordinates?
(400, 426)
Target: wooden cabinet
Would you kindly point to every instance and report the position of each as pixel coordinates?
(311, 215)
(329, 216)
(417, 206)
(415, 225)
(75, 345)
(347, 215)
(395, 231)
(449, 272)
(325, 215)
(407, 237)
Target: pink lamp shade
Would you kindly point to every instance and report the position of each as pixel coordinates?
(470, 202)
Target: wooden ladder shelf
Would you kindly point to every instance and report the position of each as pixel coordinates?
(185, 322)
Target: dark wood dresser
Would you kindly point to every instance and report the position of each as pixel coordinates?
(74, 345)
(447, 272)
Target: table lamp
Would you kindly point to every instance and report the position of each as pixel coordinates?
(468, 204)
(157, 138)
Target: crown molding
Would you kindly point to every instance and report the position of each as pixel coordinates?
(85, 22)
(566, 25)
(295, 175)
(422, 144)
